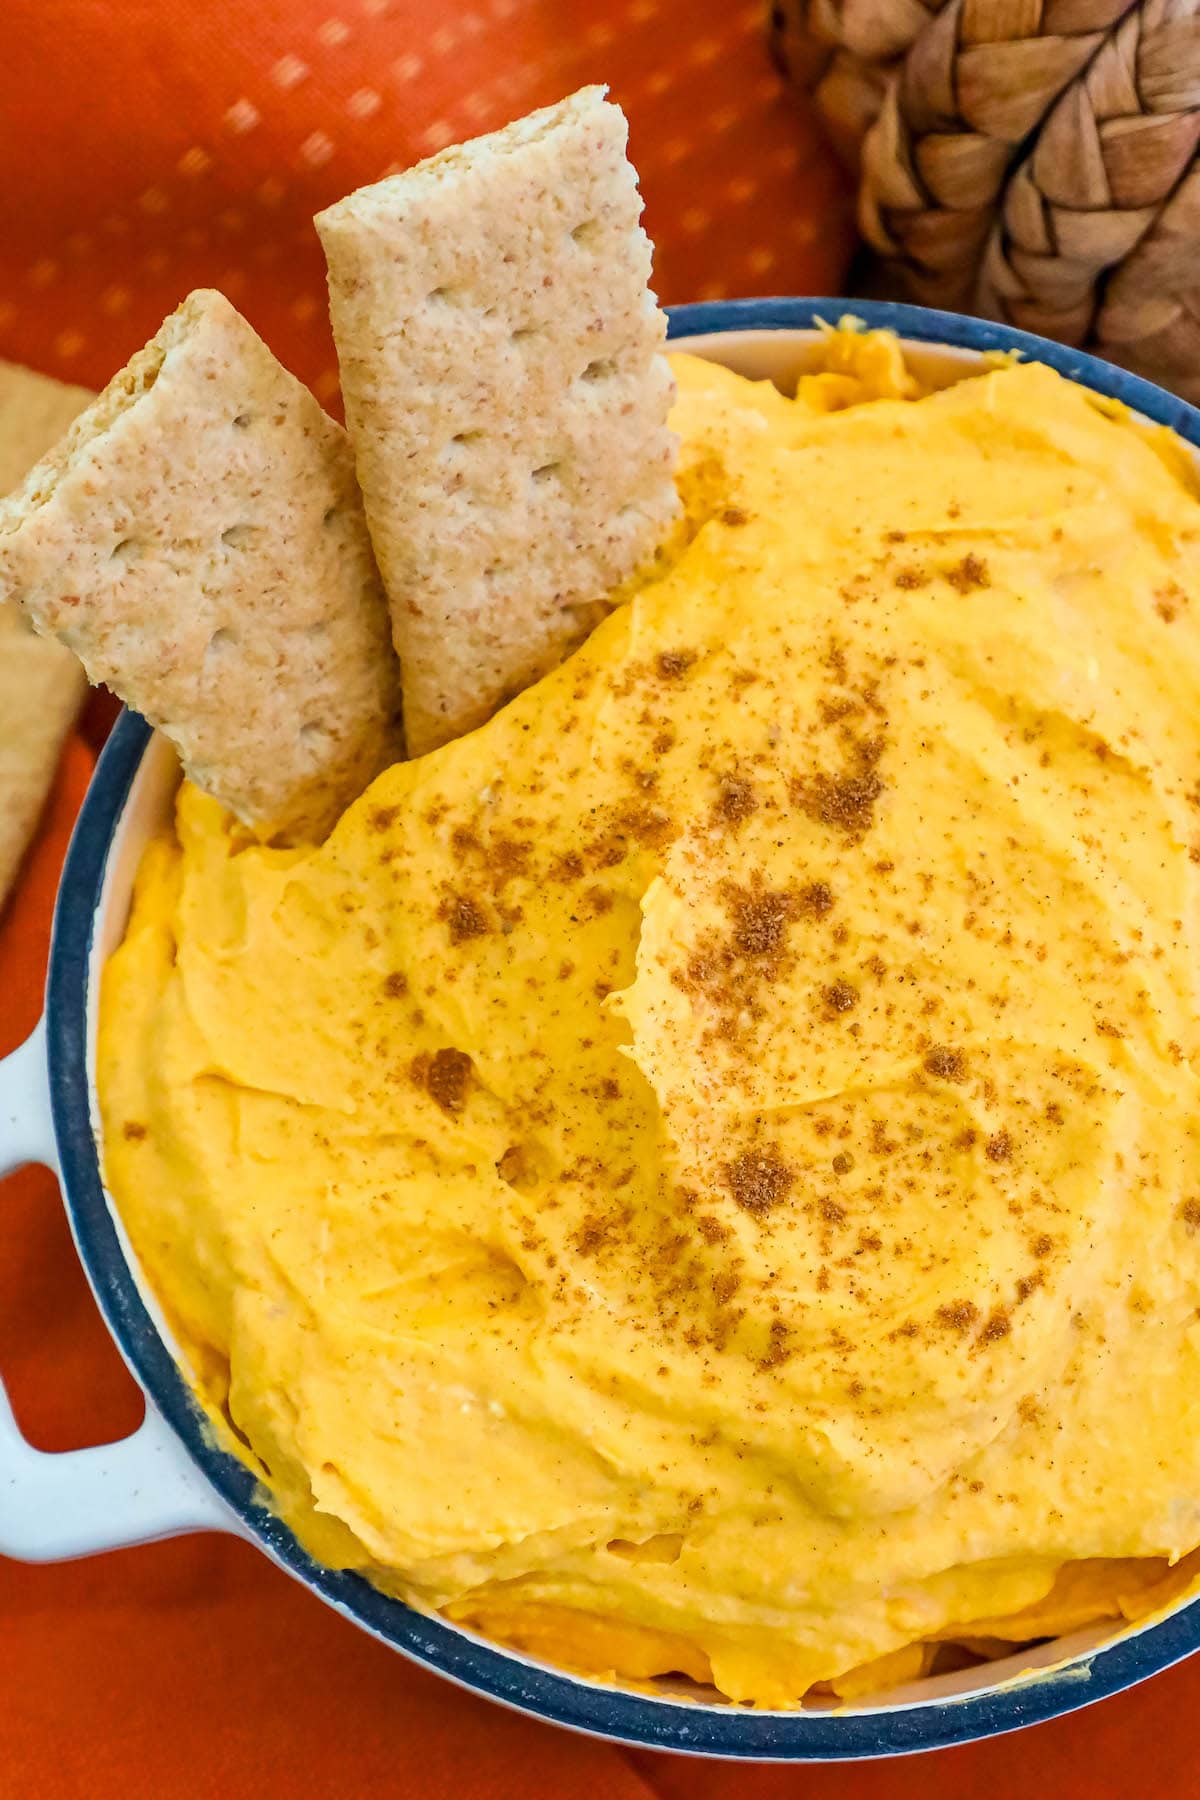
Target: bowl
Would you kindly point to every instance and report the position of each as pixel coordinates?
(170, 1476)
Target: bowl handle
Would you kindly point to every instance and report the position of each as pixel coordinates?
(75, 1502)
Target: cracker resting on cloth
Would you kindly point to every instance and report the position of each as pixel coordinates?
(501, 362)
(41, 684)
(198, 541)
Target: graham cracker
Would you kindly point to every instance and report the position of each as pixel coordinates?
(506, 392)
(197, 539)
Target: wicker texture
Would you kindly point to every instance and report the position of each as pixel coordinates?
(1036, 161)
(1150, 314)
(845, 52)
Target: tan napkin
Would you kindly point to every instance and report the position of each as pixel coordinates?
(41, 684)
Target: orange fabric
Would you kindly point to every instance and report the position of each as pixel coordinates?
(148, 146)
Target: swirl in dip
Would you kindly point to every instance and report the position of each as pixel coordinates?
(703, 1174)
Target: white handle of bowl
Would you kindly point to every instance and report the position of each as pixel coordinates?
(26, 1127)
(76, 1502)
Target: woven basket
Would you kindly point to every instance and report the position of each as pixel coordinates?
(1035, 161)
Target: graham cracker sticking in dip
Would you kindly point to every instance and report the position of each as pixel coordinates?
(197, 539)
(507, 397)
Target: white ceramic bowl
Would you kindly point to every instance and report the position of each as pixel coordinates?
(169, 1477)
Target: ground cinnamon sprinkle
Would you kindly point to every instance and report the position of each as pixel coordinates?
(395, 985)
(445, 1076)
(776, 1351)
(568, 867)
(945, 1063)
(911, 577)
(838, 707)
(383, 818)
(712, 1230)
(1168, 600)
(845, 801)
(592, 1234)
(465, 917)
(998, 1325)
(840, 996)
(958, 1315)
(971, 572)
(760, 919)
(649, 826)
(999, 1148)
(759, 1180)
(506, 859)
(1188, 1210)
(735, 801)
(673, 663)
(497, 861)
(881, 1143)
(815, 900)
(835, 660)
(734, 971)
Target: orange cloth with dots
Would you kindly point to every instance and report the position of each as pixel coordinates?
(149, 147)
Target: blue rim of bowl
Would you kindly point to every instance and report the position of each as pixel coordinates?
(631, 1719)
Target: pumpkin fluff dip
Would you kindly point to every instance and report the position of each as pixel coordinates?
(701, 1175)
